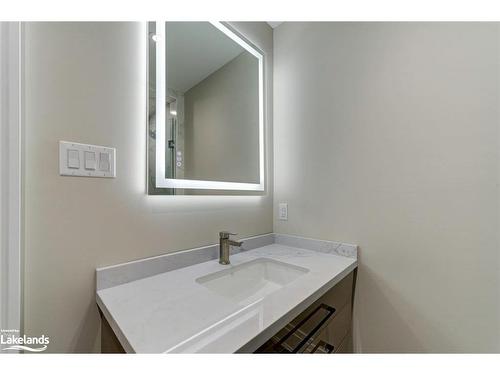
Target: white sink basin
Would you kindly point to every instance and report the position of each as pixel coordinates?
(250, 281)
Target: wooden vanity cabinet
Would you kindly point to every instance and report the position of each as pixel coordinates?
(109, 342)
(324, 327)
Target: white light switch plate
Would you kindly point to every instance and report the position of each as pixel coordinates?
(101, 164)
(283, 211)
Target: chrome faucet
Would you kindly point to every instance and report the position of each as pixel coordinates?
(224, 242)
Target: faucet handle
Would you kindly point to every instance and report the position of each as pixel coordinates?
(224, 235)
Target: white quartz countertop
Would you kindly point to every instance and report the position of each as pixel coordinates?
(172, 312)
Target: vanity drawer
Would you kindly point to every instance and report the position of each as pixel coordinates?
(346, 346)
(340, 295)
(333, 336)
(337, 297)
(323, 347)
(320, 328)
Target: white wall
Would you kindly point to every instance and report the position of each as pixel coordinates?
(387, 136)
(86, 82)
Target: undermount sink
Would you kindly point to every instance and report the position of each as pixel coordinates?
(252, 280)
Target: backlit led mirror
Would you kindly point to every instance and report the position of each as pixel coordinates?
(205, 110)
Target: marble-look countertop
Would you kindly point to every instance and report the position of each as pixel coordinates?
(170, 312)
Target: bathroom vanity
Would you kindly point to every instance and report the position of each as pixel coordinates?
(323, 328)
(280, 294)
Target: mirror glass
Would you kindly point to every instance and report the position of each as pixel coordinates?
(207, 134)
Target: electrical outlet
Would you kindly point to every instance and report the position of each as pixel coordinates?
(283, 211)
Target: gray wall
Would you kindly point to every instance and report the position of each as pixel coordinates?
(222, 118)
(387, 135)
(86, 82)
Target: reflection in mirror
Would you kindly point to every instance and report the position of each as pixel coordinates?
(207, 135)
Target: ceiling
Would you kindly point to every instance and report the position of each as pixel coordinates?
(194, 51)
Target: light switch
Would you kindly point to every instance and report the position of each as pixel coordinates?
(73, 159)
(90, 160)
(84, 160)
(104, 161)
